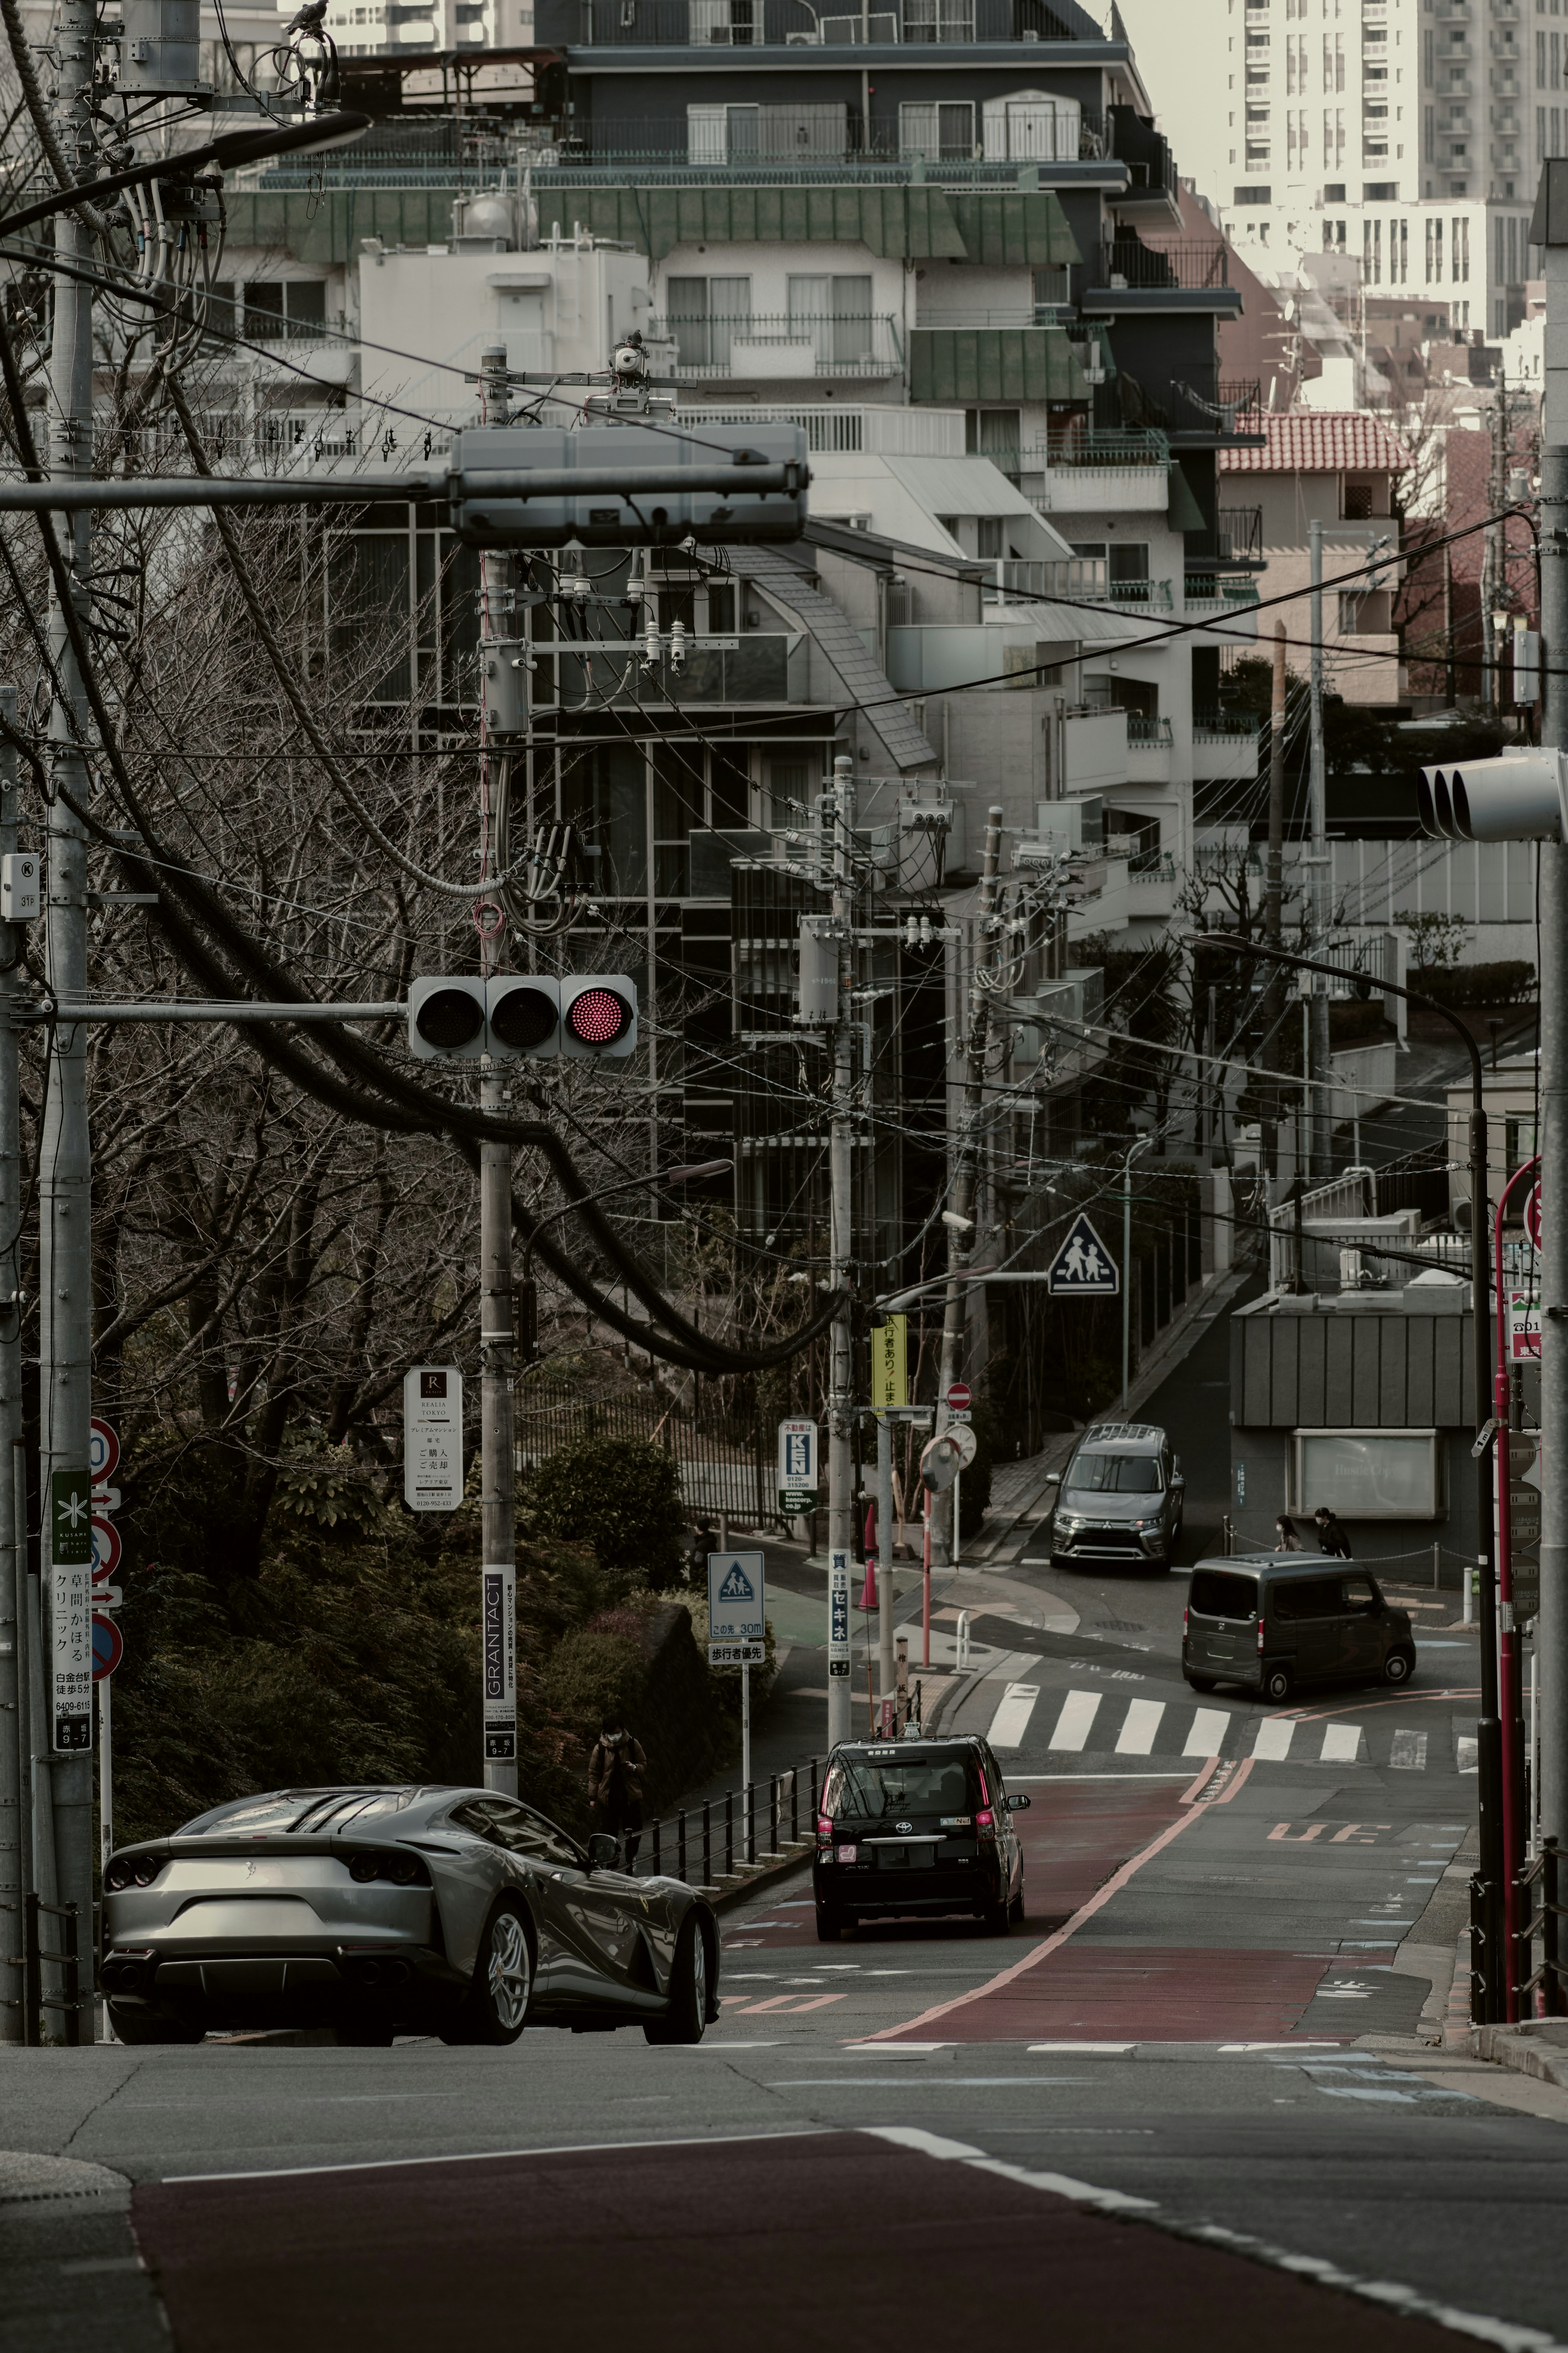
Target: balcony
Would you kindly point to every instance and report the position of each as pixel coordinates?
(1080, 579)
(800, 24)
(1146, 734)
(1225, 746)
(769, 346)
(1129, 263)
(1219, 589)
(797, 143)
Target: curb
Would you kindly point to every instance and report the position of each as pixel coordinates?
(1536, 2047)
(728, 1895)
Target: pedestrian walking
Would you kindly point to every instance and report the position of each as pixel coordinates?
(1331, 1537)
(1285, 1529)
(616, 1772)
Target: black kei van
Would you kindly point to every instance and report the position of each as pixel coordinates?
(1275, 1621)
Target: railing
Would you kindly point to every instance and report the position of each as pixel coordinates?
(723, 1831)
(1146, 733)
(1213, 588)
(785, 139)
(888, 432)
(1129, 263)
(1137, 445)
(1545, 1916)
(719, 1474)
(1079, 578)
(1226, 726)
(755, 344)
(754, 24)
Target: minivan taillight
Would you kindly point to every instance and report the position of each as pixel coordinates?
(1261, 1630)
(1186, 1615)
(825, 1826)
(985, 1822)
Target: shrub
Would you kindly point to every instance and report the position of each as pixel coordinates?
(622, 1497)
(1470, 988)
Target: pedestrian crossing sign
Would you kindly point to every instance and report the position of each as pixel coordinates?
(736, 1603)
(737, 1585)
(1083, 1268)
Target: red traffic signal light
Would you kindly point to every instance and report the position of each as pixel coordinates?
(599, 1017)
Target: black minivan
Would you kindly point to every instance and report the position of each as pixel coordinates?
(916, 1826)
(1278, 1620)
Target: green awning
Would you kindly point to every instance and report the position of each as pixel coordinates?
(994, 363)
(915, 223)
(1184, 513)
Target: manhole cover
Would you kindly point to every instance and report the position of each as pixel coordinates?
(1117, 1626)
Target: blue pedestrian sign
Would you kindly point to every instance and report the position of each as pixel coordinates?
(737, 1585)
(737, 1608)
(1083, 1268)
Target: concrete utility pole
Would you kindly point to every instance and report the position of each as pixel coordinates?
(1552, 1625)
(965, 1160)
(64, 1183)
(15, 1714)
(1321, 1116)
(498, 1512)
(1274, 893)
(840, 814)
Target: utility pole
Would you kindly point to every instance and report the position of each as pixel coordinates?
(1552, 1625)
(840, 815)
(65, 1181)
(1274, 893)
(16, 1741)
(1320, 1120)
(497, 1515)
(966, 1153)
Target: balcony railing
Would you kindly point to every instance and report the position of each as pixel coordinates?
(1226, 726)
(1078, 580)
(754, 24)
(1217, 588)
(795, 142)
(1145, 734)
(1237, 540)
(767, 345)
(1130, 262)
(1135, 447)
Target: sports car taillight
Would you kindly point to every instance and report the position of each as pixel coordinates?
(133, 1870)
(401, 1869)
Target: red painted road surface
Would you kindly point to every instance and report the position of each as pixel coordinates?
(665, 2247)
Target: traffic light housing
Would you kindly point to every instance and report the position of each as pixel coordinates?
(1522, 796)
(447, 1020)
(522, 1017)
(606, 518)
(598, 1018)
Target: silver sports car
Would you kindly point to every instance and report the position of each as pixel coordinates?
(385, 1911)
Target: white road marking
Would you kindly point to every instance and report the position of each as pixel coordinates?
(1409, 1753)
(1274, 1737)
(1136, 1737)
(1011, 1720)
(1206, 1737)
(1341, 1744)
(1079, 1711)
(1468, 1748)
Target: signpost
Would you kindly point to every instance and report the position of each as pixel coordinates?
(958, 1398)
(738, 1629)
(108, 1649)
(1083, 1268)
(107, 1642)
(71, 1612)
(498, 1631)
(433, 1438)
(797, 1466)
(889, 1370)
(1523, 1325)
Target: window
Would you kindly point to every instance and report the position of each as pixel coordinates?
(834, 314)
(1314, 1597)
(1518, 1130)
(1253, 197)
(721, 611)
(939, 20)
(1356, 502)
(881, 1787)
(1103, 1470)
(1368, 1474)
(988, 537)
(1368, 613)
(1031, 127)
(1459, 252)
(938, 132)
(519, 1829)
(994, 433)
(705, 315)
(1222, 1593)
(1358, 1597)
(1434, 251)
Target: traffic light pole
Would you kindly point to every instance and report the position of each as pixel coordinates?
(498, 1501)
(1552, 1143)
(1317, 1125)
(841, 1178)
(16, 1745)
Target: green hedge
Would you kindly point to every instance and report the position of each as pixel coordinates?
(619, 1496)
(1472, 987)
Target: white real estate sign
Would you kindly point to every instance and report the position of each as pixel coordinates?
(433, 1438)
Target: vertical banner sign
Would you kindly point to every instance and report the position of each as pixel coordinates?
(1524, 1523)
(838, 1614)
(797, 1466)
(70, 1611)
(890, 1378)
(498, 1628)
(433, 1438)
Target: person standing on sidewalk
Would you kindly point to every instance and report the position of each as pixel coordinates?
(1331, 1537)
(616, 1771)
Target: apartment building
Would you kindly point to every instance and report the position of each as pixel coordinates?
(1405, 134)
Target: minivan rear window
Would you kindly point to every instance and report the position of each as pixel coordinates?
(1220, 1593)
(860, 1790)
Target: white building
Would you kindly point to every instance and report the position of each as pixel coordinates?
(1408, 134)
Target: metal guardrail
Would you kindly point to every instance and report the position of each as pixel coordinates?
(32, 1959)
(1550, 1978)
(722, 1830)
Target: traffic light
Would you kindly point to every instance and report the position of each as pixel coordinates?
(522, 1017)
(602, 514)
(1522, 796)
(599, 1018)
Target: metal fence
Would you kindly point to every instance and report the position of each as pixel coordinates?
(31, 1914)
(723, 1472)
(702, 1842)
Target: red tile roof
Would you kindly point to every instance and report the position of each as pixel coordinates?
(1319, 441)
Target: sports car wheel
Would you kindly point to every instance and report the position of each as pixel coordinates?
(147, 2026)
(687, 2013)
(495, 2010)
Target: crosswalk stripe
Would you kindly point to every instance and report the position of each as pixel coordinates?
(1079, 1711)
(1409, 1752)
(1136, 1737)
(1467, 1750)
(1206, 1737)
(1011, 1720)
(1341, 1744)
(1273, 1742)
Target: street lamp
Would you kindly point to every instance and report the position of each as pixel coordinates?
(1495, 1844)
(682, 1176)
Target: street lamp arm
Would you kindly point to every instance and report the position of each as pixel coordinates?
(1336, 971)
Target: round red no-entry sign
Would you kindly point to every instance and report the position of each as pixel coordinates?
(1532, 1217)
(958, 1397)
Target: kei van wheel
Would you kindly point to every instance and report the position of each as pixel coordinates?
(1398, 1667)
(1277, 1684)
(1201, 1682)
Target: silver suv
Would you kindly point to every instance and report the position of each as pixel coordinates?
(1119, 1498)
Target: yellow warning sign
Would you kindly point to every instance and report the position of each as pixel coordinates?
(890, 1378)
